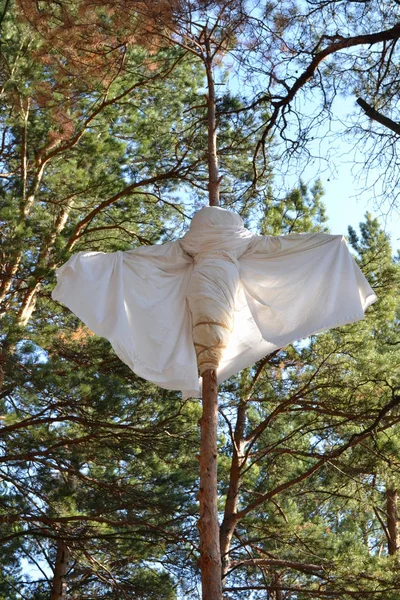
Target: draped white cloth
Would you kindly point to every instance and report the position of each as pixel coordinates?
(222, 292)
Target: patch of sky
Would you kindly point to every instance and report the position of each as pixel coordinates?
(331, 154)
(29, 351)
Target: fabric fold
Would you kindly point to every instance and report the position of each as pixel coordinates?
(221, 297)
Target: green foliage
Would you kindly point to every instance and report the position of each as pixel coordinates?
(96, 457)
(301, 211)
(90, 453)
(320, 451)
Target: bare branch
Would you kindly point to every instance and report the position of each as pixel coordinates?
(275, 562)
(319, 57)
(372, 113)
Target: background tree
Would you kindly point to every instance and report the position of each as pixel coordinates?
(69, 436)
(311, 489)
(97, 169)
(102, 463)
(294, 59)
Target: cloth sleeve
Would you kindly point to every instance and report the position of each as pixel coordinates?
(137, 300)
(302, 284)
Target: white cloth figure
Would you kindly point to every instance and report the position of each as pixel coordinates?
(220, 292)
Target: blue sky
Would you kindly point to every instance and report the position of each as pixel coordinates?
(346, 206)
(336, 158)
(347, 202)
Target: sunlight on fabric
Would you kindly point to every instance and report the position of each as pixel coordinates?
(222, 292)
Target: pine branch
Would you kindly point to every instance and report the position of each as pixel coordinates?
(309, 72)
(375, 115)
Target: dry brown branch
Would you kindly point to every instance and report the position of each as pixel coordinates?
(372, 113)
(319, 56)
(275, 562)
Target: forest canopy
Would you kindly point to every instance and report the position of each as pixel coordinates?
(104, 148)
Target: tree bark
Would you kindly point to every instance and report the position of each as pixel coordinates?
(231, 505)
(372, 113)
(277, 584)
(210, 558)
(392, 499)
(213, 177)
(59, 587)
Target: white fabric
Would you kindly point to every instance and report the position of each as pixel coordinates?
(259, 294)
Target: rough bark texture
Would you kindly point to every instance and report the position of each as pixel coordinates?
(59, 588)
(277, 584)
(372, 113)
(392, 499)
(231, 505)
(210, 558)
(213, 177)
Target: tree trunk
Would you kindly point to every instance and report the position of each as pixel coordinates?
(210, 558)
(372, 113)
(392, 499)
(277, 584)
(231, 505)
(213, 178)
(59, 587)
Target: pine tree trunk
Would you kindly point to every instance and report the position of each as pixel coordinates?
(277, 584)
(229, 522)
(213, 177)
(392, 499)
(210, 557)
(59, 587)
